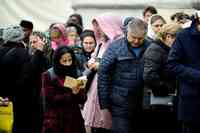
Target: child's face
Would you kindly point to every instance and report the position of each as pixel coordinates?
(66, 59)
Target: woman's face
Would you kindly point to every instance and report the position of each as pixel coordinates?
(72, 37)
(170, 39)
(147, 15)
(66, 59)
(75, 19)
(157, 25)
(99, 31)
(88, 44)
(97, 28)
(55, 34)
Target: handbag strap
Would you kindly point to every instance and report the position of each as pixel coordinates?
(98, 49)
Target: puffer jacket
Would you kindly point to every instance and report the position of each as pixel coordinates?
(120, 74)
(160, 86)
(155, 75)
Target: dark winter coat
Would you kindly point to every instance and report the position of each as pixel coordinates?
(81, 56)
(37, 65)
(184, 62)
(62, 112)
(20, 81)
(156, 76)
(120, 81)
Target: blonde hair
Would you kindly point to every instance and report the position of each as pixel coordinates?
(170, 28)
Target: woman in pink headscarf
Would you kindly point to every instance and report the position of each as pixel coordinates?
(107, 28)
(57, 35)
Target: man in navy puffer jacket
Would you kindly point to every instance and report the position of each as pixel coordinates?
(120, 81)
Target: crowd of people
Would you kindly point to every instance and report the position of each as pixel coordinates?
(143, 74)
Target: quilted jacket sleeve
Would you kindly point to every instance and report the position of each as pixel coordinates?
(176, 56)
(153, 59)
(105, 67)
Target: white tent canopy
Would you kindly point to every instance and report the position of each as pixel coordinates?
(41, 12)
(45, 12)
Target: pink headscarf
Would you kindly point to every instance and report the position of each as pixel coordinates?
(63, 40)
(110, 24)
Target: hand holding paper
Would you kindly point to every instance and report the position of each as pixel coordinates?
(75, 84)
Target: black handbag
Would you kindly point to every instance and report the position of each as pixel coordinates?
(150, 100)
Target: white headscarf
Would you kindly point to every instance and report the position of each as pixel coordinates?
(150, 33)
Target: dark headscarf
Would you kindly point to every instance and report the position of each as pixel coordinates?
(86, 33)
(79, 18)
(76, 25)
(62, 70)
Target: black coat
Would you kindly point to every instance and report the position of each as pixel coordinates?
(156, 76)
(184, 63)
(20, 81)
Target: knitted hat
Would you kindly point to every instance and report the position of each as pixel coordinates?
(13, 34)
(26, 24)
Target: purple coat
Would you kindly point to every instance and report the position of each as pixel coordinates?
(62, 113)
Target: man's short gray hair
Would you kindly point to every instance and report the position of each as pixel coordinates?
(137, 26)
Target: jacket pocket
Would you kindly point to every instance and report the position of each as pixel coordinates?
(119, 99)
